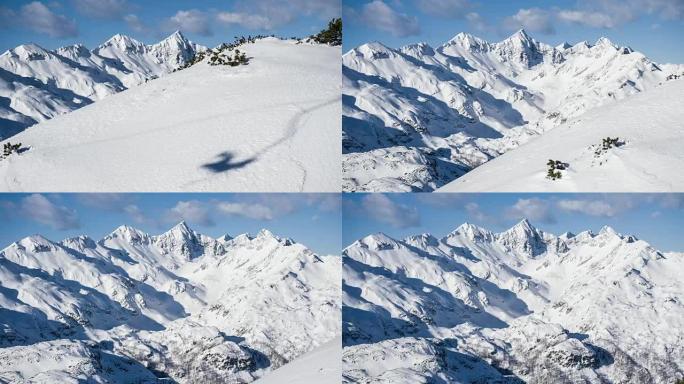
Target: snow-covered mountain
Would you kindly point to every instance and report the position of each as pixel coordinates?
(650, 127)
(269, 126)
(418, 117)
(37, 84)
(523, 305)
(133, 307)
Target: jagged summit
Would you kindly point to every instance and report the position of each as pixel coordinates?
(29, 51)
(563, 46)
(122, 42)
(471, 231)
(604, 41)
(520, 36)
(128, 233)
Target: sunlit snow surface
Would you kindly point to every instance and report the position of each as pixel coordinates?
(651, 125)
(272, 126)
(320, 366)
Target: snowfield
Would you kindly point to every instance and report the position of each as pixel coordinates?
(270, 126)
(651, 125)
(181, 306)
(418, 117)
(320, 366)
(518, 306)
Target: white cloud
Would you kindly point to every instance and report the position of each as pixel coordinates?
(534, 209)
(272, 14)
(591, 19)
(473, 210)
(39, 208)
(444, 8)
(37, 17)
(383, 209)
(246, 20)
(135, 24)
(532, 19)
(136, 214)
(599, 208)
(107, 201)
(192, 211)
(476, 21)
(192, 20)
(379, 15)
(102, 9)
(254, 211)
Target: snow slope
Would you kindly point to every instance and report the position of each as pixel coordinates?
(37, 84)
(270, 126)
(418, 117)
(651, 124)
(320, 366)
(523, 305)
(136, 308)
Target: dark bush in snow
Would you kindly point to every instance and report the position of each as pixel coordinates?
(332, 35)
(555, 166)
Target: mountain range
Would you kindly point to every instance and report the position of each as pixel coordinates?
(180, 307)
(518, 306)
(37, 84)
(418, 117)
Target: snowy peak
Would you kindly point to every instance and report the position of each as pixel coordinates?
(418, 50)
(29, 52)
(422, 241)
(469, 42)
(129, 234)
(605, 42)
(471, 232)
(73, 52)
(374, 51)
(123, 43)
(378, 241)
(523, 238)
(563, 46)
(520, 38)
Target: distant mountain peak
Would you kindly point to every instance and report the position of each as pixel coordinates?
(379, 241)
(471, 231)
(122, 42)
(563, 46)
(604, 41)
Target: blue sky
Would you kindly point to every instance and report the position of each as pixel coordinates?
(654, 27)
(311, 219)
(55, 23)
(655, 218)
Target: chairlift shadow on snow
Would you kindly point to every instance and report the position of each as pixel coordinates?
(226, 163)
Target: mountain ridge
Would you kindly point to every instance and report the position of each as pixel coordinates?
(459, 310)
(134, 307)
